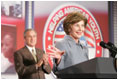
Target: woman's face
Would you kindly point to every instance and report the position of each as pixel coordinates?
(77, 30)
(7, 44)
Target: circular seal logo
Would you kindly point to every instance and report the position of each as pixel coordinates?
(54, 32)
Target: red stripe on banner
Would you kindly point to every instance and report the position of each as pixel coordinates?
(87, 28)
(91, 37)
(90, 43)
(59, 36)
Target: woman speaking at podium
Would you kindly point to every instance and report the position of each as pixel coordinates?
(70, 50)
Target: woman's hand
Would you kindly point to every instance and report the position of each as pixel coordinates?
(55, 53)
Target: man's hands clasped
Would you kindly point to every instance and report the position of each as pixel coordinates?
(43, 60)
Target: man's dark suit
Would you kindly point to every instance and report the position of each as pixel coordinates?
(25, 64)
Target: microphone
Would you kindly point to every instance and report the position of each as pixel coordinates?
(109, 46)
(104, 45)
(112, 45)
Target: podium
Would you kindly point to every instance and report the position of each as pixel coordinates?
(102, 68)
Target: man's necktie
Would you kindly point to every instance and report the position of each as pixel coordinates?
(33, 54)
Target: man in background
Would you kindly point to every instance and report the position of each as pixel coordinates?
(30, 62)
